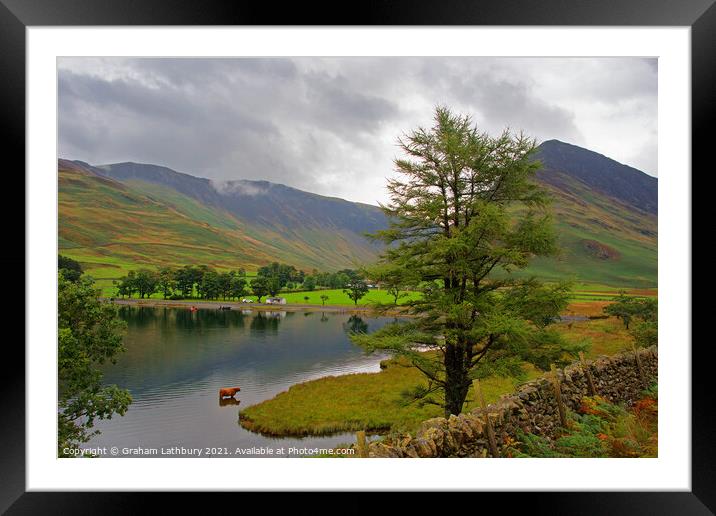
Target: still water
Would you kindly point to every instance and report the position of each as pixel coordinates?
(177, 360)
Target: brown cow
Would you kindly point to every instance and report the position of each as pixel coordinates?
(228, 392)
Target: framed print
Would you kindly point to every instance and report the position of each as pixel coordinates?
(438, 241)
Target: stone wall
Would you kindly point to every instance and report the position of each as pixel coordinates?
(533, 408)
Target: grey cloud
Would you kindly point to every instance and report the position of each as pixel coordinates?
(514, 105)
(233, 187)
(328, 125)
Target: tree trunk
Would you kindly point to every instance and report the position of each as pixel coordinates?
(456, 378)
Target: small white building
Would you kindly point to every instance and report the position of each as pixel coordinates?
(275, 300)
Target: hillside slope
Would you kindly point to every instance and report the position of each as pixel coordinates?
(112, 226)
(630, 186)
(605, 216)
(119, 217)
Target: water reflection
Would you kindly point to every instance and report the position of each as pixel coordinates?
(355, 324)
(177, 360)
(266, 322)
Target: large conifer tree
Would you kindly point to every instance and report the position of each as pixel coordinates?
(465, 215)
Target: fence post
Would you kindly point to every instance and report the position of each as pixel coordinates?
(558, 396)
(488, 422)
(639, 369)
(361, 444)
(588, 373)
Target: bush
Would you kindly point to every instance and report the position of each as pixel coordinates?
(598, 429)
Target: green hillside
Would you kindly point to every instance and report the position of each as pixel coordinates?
(602, 240)
(112, 227)
(116, 218)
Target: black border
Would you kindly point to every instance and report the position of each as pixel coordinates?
(16, 15)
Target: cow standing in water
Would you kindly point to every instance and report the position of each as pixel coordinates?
(228, 392)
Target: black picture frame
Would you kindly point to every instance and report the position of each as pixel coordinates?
(16, 15)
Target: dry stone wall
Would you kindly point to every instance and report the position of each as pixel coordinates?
(533, 408)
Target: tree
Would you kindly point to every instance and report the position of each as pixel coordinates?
(209, 287)
(627, 308)
(127, 285)
(166, 282)
(309, 283)
(146, 282)
(338, 280)
(643, 312)
(393, 279)
(224, 284)
(238, 286)
(90, 334)
(464, 215)
(280, 274)
(185, 279)
(356, 289)
(71, 269)
(273, 284)
(324, 298)
(322, 278)
(259, 286)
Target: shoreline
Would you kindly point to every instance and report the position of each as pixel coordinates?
(263, 307)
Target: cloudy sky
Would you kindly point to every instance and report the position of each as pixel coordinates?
(329, 125)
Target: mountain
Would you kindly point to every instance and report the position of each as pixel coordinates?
(259, 202)
(118, 217)
(626, 184)
(115, 218)
(605, 215)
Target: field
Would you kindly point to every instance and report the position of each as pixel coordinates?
(336, 297)
(372, 402)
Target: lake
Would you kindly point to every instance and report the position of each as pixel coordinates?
(177, 360)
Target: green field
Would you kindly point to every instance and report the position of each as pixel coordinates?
(365, 401)
(372, 402)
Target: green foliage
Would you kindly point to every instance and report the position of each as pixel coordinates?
(645, 333)
(309, 283)
(259, 287)
(642, 313)
(356, 289)
(181, 283)
(395, 280)
(599, 429)
(652, 391)
(90, 333)
(166, 281)
(628, 308)
(237, 285)
(70, 268)
(462, 210)
(280, 274)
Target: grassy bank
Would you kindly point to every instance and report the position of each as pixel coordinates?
(365, 401)
(372, 401)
